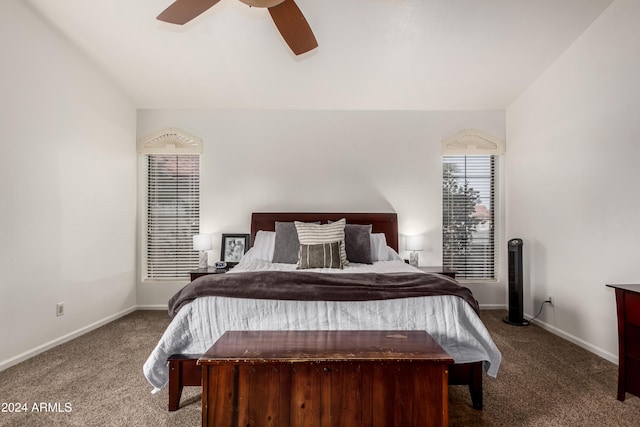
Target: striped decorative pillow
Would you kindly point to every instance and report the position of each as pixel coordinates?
(313, 234)
(322, 255)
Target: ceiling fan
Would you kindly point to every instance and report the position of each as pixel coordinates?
(289, 20)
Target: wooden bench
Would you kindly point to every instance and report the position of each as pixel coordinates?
(183, 371)
(325, 378)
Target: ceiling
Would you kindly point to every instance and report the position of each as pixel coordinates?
(372, 54)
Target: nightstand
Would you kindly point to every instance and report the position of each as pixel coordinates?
(204, 271)
(439, 270)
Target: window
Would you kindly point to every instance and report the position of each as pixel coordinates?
(468, 217)
(173, 213)
(171, 203)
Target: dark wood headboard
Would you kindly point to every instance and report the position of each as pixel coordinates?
(386, 223)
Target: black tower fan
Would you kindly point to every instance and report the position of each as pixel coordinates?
(515, 284)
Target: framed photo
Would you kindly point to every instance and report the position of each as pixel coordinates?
(234, 246)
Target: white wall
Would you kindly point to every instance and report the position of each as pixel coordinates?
(572, 179)
(358, 161)
(67, 189)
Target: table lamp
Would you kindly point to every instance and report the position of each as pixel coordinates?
(202, 243)
(414, 244)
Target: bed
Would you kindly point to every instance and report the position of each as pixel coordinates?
(200, 318)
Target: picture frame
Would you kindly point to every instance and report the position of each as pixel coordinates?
(233, 247)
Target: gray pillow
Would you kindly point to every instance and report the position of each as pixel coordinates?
(286, 246)
(357, 242)
(357, 239)
(322, 255)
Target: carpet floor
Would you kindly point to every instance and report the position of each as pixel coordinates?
(96, 380)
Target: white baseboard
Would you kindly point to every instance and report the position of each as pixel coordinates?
(493, 307)
(5, 364)
(613, 358)
(152, 307)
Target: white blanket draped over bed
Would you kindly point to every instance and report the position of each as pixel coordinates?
(450, 320)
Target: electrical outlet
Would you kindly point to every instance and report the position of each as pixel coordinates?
(550, 299)
(60, 309)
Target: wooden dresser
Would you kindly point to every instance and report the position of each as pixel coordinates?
(628, 306)
(325, 378)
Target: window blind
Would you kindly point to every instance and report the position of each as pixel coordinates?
(173, 215)
(469, 220)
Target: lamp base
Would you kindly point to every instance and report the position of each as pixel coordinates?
(204, 263)
(413, 259)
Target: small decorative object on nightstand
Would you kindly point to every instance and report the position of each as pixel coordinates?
(202, 243)
(413, 244)
(233, 247)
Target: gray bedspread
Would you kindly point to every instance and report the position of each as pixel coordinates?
(311, 286)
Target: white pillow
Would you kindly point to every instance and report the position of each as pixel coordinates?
(379, 247)
(263, 246)
(380, 251)
(392, 255)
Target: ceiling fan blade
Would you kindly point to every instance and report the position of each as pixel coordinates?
(182, 11)
(293, 27)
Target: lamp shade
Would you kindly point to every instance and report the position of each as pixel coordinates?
(202, 242)
(414, 243)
